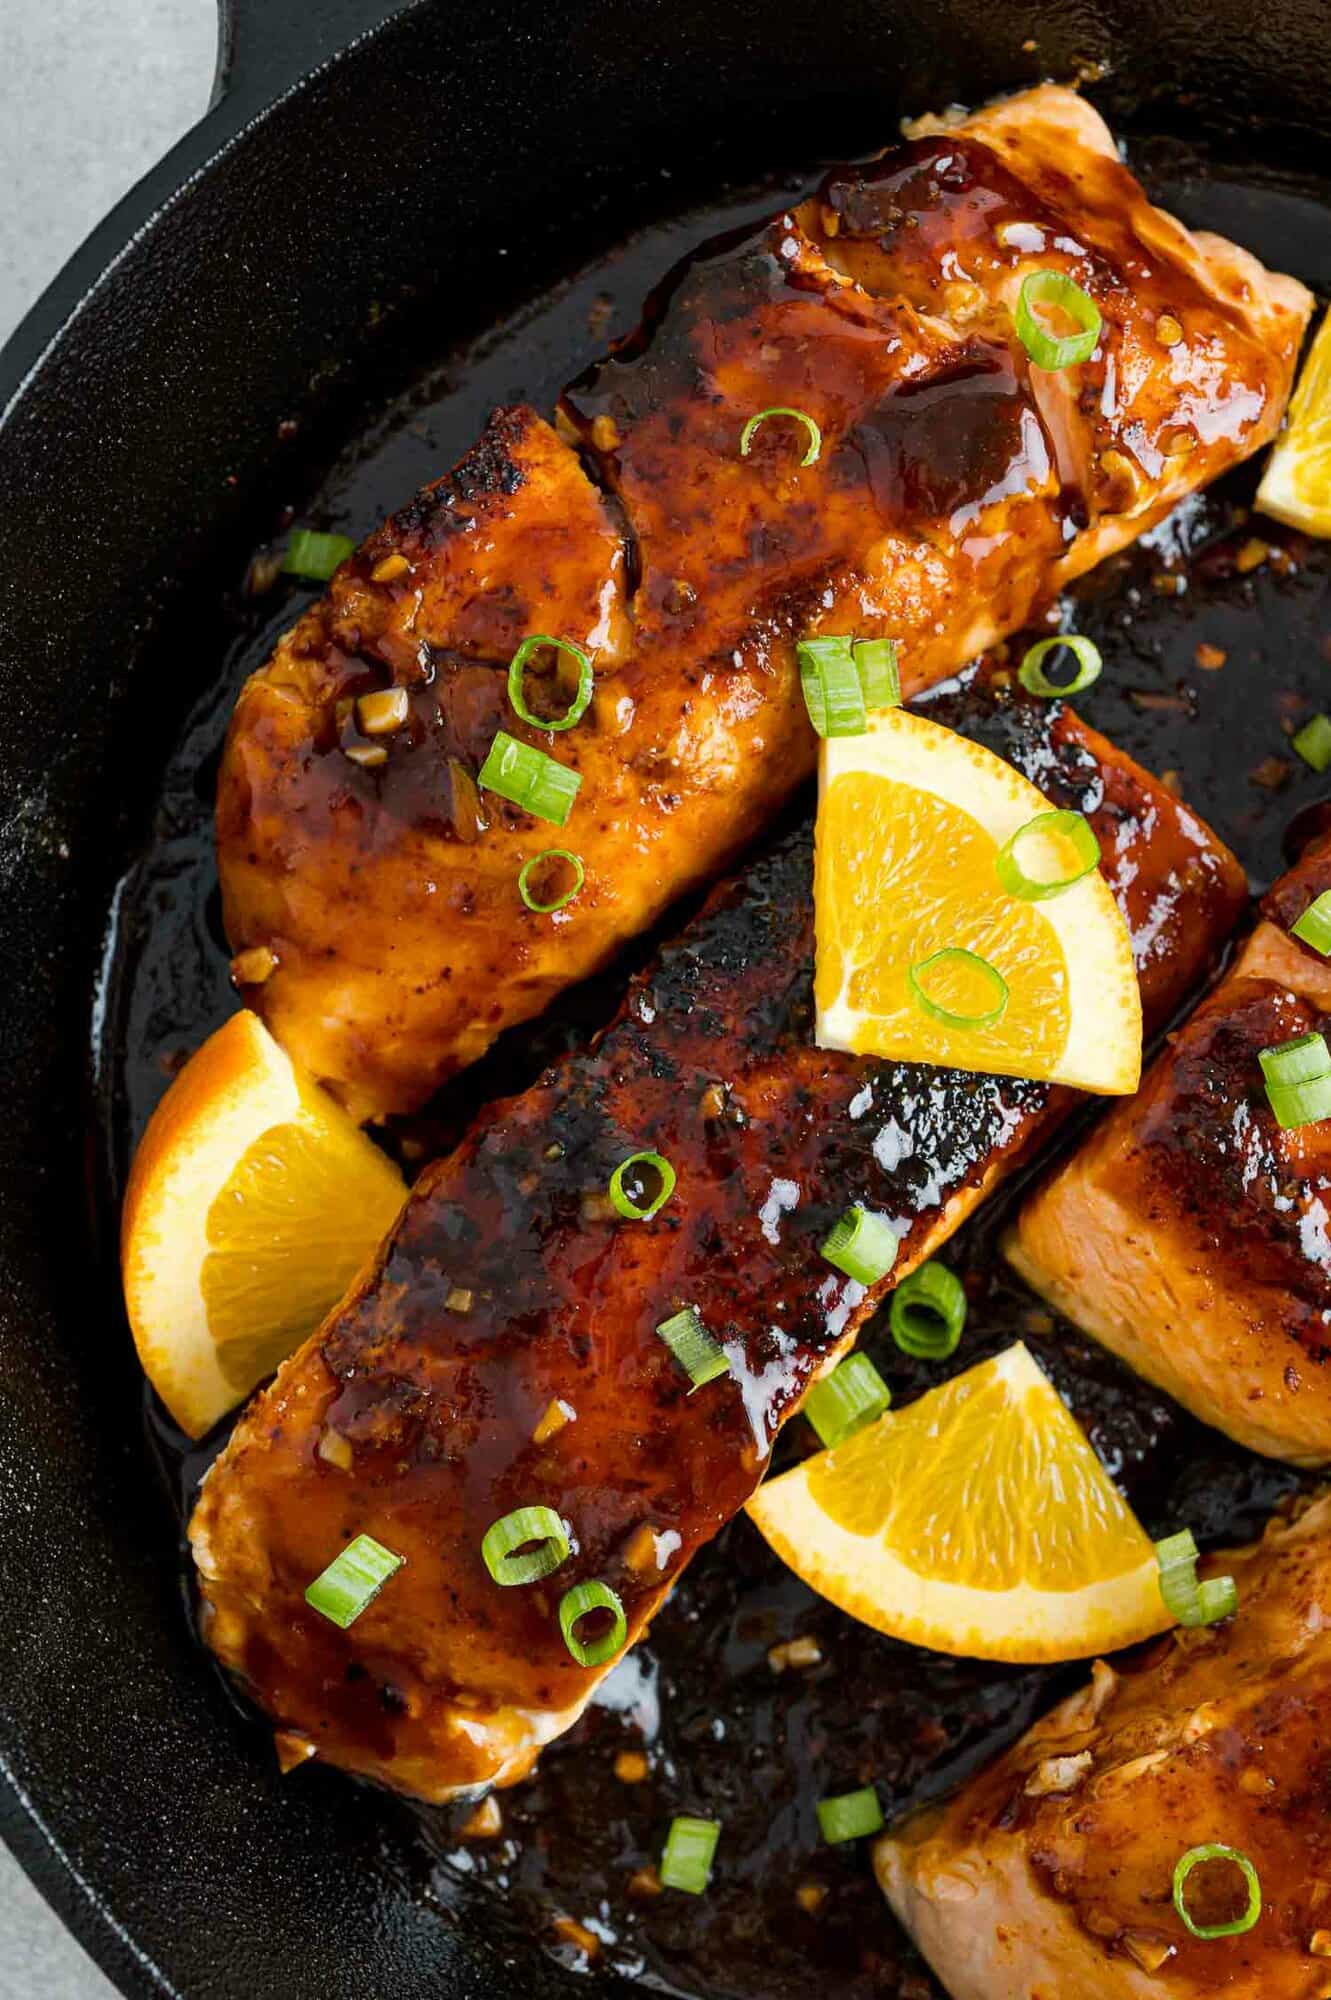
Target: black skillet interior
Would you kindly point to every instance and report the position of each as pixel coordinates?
(317, 272)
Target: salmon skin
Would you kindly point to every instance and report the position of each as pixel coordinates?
(956, 489)
(1190, 1234)
(502, 1351)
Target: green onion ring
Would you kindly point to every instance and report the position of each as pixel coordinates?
(535, 861)
(1313, 742)
(852, 1816)
(1297, 1075)
(879, 672)
(1300, 1060)
(831, 685)
(1313, 928)
(352, 1581)
(1296, 1104)
(686, 1860)
(577, 1603)
(928, 1312)
(1048, 350)
(1029, 888)
(624, 1204)
(862, 1245)
(577, 708)
(1193, 1604)
(526, 777)
(955, 955)
(815, 445)
(1214, 1850)
(702, 1359)
(507, 1536)
(853, 1395)
(1032, 675)
(315, 556)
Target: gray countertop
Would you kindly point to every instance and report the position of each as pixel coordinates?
(90, 96)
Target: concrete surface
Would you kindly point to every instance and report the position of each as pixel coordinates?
(92, 92)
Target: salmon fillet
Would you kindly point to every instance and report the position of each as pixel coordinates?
(957, 490)
(1048, 1877)
(415, 1414)
(1190, 1234)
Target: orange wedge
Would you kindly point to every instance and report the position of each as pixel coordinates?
(978, 1520)
(923, 954)
(1296, 485)
(253, 1202)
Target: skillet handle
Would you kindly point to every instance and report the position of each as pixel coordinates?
(264, 46)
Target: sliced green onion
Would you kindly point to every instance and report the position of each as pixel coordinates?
(833, 693)
(576, 709)
(1217, 1598)
(954, 955)
(576, 1604)
(1068, 826)
(1298, 1080)
(843, 678)
(1035, 680)
(928, 1312)
(853, 1395)
(1314, 926)
(352, 1580)
(1191, 1602)
(815, 445)
(693, 1347)
(862, 1245)
(1301, 1060)
(1313, 742)
(1299, 1104)
(1215, 1851)
(539, 861)
(623, 1202)
(880, 677)
(505, 1548)
(529, 778)
(315, 556)
(686, 1860)
(1051, 350)
(850, 1817)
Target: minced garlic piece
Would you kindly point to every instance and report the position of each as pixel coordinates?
(253, 967)
(557, 1414)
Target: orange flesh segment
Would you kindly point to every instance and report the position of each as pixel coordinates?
(873, 832)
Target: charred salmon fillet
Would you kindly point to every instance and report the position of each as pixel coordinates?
(1050, 1875)
(503, 1351)
(372, 885)
(1192, 1235)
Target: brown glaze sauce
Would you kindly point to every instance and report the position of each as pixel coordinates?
(720, 1731)
(1257, 1196)
(713, 1061)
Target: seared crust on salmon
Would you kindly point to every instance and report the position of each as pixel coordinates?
(510, 1289)
(957, 489)
(1190, 1234)
(1049, 1876)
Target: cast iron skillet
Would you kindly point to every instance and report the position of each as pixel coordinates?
(373, 183)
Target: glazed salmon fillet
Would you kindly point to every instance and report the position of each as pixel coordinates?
(1049, 1876)
(1190, 1233)
(503, 1350)
(370, 886)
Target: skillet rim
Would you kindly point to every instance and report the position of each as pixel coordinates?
(254, 99)
(268, 51)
